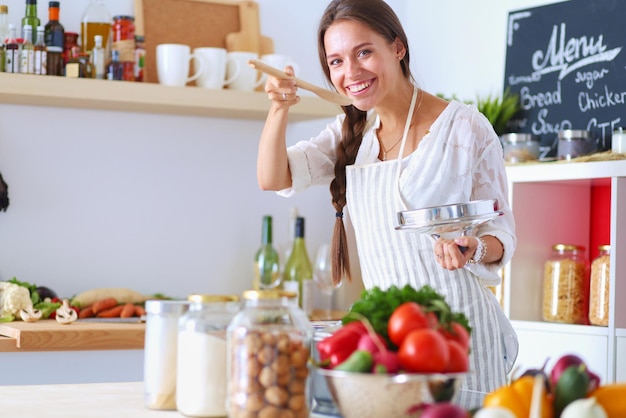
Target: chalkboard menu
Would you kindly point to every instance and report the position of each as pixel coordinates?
(567, 63)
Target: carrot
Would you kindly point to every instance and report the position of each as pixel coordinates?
(128, 310)
(139, 311)
(111, 312)
(103, 305)
(86, 312)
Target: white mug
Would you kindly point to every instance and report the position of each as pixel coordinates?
(248, 78)
(279, 61)
(213, 60)
(173, 64)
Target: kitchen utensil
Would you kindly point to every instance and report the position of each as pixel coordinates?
(438, 220)
(249, 37)
(359, 395)
(328, 95)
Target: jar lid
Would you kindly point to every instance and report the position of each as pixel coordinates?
(4, 8)
(605, 247)
(517, 138)
(123, 17)
(574, 134)
(203, 298)
(268, 294)
(166, 306)
(567, 247)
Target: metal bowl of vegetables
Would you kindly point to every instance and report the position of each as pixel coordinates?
(363, 395)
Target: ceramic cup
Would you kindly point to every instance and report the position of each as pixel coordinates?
(173, 64)
(214, 61)
(279, 61)
(248, 78)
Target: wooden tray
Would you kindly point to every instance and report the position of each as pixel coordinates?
(49, 335)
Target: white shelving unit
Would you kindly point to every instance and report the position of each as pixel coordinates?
(552, 204)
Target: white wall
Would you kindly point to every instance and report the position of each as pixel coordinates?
(170, 204)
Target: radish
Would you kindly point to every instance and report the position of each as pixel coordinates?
(386, 362)
(443, 410)
(367, 343)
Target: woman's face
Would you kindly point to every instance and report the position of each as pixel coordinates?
(363, 65)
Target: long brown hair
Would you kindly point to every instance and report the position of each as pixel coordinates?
(379, 17)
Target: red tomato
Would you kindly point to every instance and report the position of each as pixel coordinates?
(424, 351)
(459, 359)
(458, 333)
(406, 318)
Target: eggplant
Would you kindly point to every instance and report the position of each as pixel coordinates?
(46, 292)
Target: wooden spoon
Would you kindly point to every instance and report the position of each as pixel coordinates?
(328, 95)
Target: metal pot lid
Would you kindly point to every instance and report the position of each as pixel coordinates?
(449, 218)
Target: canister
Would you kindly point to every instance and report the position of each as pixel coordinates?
(618, 140)
(160, 352)
(599, 287)
(268, 344)
(566, 285)
(520, 147)
(201, 360)
(575, 143)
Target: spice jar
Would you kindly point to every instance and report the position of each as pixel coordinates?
(123, 37)
(575, 143)
(160, 352)
(618, 140)
(201, 360)
(268, 352)
(566, 285)
(599, 287)
(519, 148)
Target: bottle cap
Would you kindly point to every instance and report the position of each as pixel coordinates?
(54, 4)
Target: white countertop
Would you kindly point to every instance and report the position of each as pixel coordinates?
(105, 400)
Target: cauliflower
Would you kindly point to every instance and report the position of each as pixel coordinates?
(13, 298)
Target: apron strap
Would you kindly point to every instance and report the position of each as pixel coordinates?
(407, 125)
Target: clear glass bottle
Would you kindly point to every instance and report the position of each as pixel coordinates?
(12, 50)
(41, 53)
(161, 351)
(599, 287)
(266, 260)
(268, 347)
(27, 54)
(114, 67)
(201, 361)
(96, 20)
(566, 285)
(30, 18)
(54, 37)
(98, 58)
(298, 272)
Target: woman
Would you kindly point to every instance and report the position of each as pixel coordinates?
(396, 148)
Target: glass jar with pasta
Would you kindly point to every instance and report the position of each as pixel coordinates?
(566, 285)
(599, 287)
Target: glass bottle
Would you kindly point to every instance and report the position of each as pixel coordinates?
(12, 52)
(4, 33)
(41, 53)
(98, 58)
(298, 272)
(140, 56)
(30, 18)
(96, 20)
(27, 54)
(55, 39)
(70, 42)
(161, 351)
(201, 360)
(268, 344)
(566, 285)
(85, 60)
(114, 68)
(123, 40)
(75, 68)
(266, 260)
(599, 287)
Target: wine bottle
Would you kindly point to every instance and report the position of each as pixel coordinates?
(298, 273)
(54, 37)
(31, 18)
(266, 260)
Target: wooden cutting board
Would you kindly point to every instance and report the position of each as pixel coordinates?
(49, 335)
(249, 37)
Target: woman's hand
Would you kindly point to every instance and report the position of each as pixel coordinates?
(282, 91)
(449, 253)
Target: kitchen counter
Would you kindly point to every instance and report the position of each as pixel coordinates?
(106, 400)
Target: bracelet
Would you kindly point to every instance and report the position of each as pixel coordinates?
(481, 251)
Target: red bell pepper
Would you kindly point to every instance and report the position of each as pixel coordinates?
(338, 346)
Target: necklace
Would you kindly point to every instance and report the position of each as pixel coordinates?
(386, 150)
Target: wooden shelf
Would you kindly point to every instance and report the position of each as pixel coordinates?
(49, 335)
(32, 90)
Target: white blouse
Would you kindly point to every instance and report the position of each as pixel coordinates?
(459, 160)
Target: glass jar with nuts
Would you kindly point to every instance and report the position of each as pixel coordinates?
(566, 285)
(268, 345)
(599, 287)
